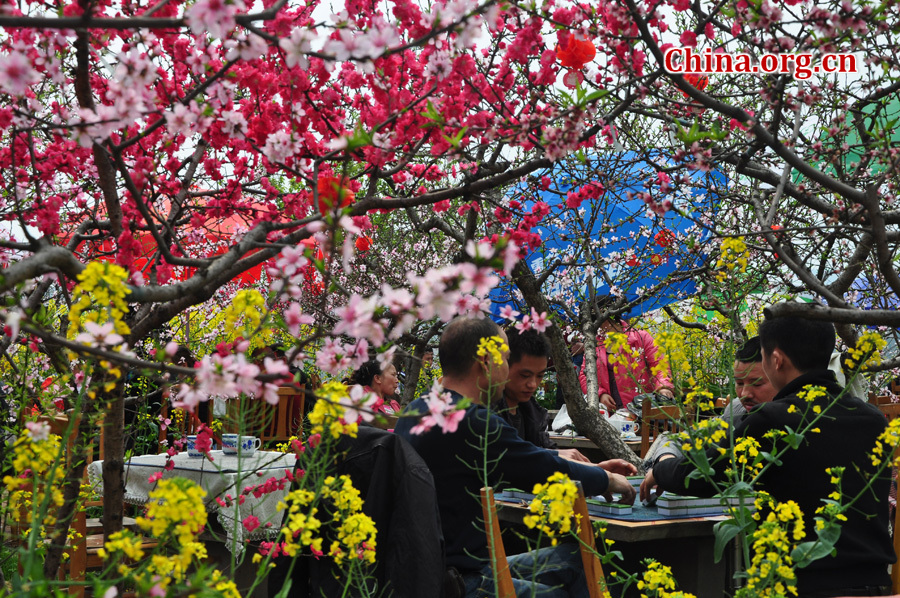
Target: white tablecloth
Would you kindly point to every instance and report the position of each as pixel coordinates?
(225, 474)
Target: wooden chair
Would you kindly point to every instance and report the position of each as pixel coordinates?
(593, 569)
(271, 423)
(655, 421)
(83, 550)
(499, 564)
(879, 400)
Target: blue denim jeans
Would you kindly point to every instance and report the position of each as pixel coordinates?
(555, 572)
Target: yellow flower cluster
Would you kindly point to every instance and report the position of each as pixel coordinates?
(704, 434)
(771, 569)
(356, 532)
(175, 514)
(327, 417)
(866, 352)
(35, 481)
(493, 346)
(811, 393)
(101, 292)
(673, 345)
(553, 506)
(248, 305)
(703, 399)
(886, 443)
(226, 587)
(732, 258)
(657, 582)
(301, 524)
(619, 352)
(747, 457)
(176, 506)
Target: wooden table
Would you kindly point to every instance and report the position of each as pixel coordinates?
(684, 544)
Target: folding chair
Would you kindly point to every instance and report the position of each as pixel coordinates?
(655, 421)
(593, 569)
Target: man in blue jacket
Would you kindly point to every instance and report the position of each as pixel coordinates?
(795, 356)
(485, 451)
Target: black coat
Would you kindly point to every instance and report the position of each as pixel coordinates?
(848, 433)
(458, 461)
(534, 420)
(398, 494)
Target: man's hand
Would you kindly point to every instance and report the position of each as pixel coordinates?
(610, 403)
(619, 484)
(572, 455)
(666, 393)
(649, 482)
(619, 466)
(647, 485)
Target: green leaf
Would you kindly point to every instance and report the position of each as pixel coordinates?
(595, 95)
(433, 115)
(807, 552)
(725, 531)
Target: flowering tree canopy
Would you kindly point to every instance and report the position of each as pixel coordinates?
(153, 152)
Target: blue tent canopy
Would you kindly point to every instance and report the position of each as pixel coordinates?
(616, 241)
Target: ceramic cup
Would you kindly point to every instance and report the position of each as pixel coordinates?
(230, 444)
(192, 447)
(625, 426)
(249, 444)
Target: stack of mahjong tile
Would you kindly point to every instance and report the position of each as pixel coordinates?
(674, 505)
(635, 481)
(513, 495)
(599, 507)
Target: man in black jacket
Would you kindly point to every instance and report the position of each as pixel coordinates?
(795, 359)
(483, 449)
(529, 356)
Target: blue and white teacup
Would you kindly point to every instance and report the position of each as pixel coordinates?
(230, 444)
(249, 444)
(192, 447)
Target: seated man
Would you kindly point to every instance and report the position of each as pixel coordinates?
(529, 355)
(485, 450)
(751, 384)
(795, 354)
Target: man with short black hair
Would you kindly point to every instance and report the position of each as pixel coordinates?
(750, 382)
(485, 449)
(529, 357)
(795, 355)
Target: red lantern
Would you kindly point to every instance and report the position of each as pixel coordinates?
(698, 81)
(575, 53)
(664, 238)
(632, 261)
(333, 193)
(363, 243)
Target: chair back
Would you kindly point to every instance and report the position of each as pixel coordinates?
(593, 569)
(271, 423)
(879, 400)
(655, 420)
(499, 564)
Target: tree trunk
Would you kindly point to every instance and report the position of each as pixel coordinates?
(114, 461)
(411, 379)
(590, 360)
(586, 419)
